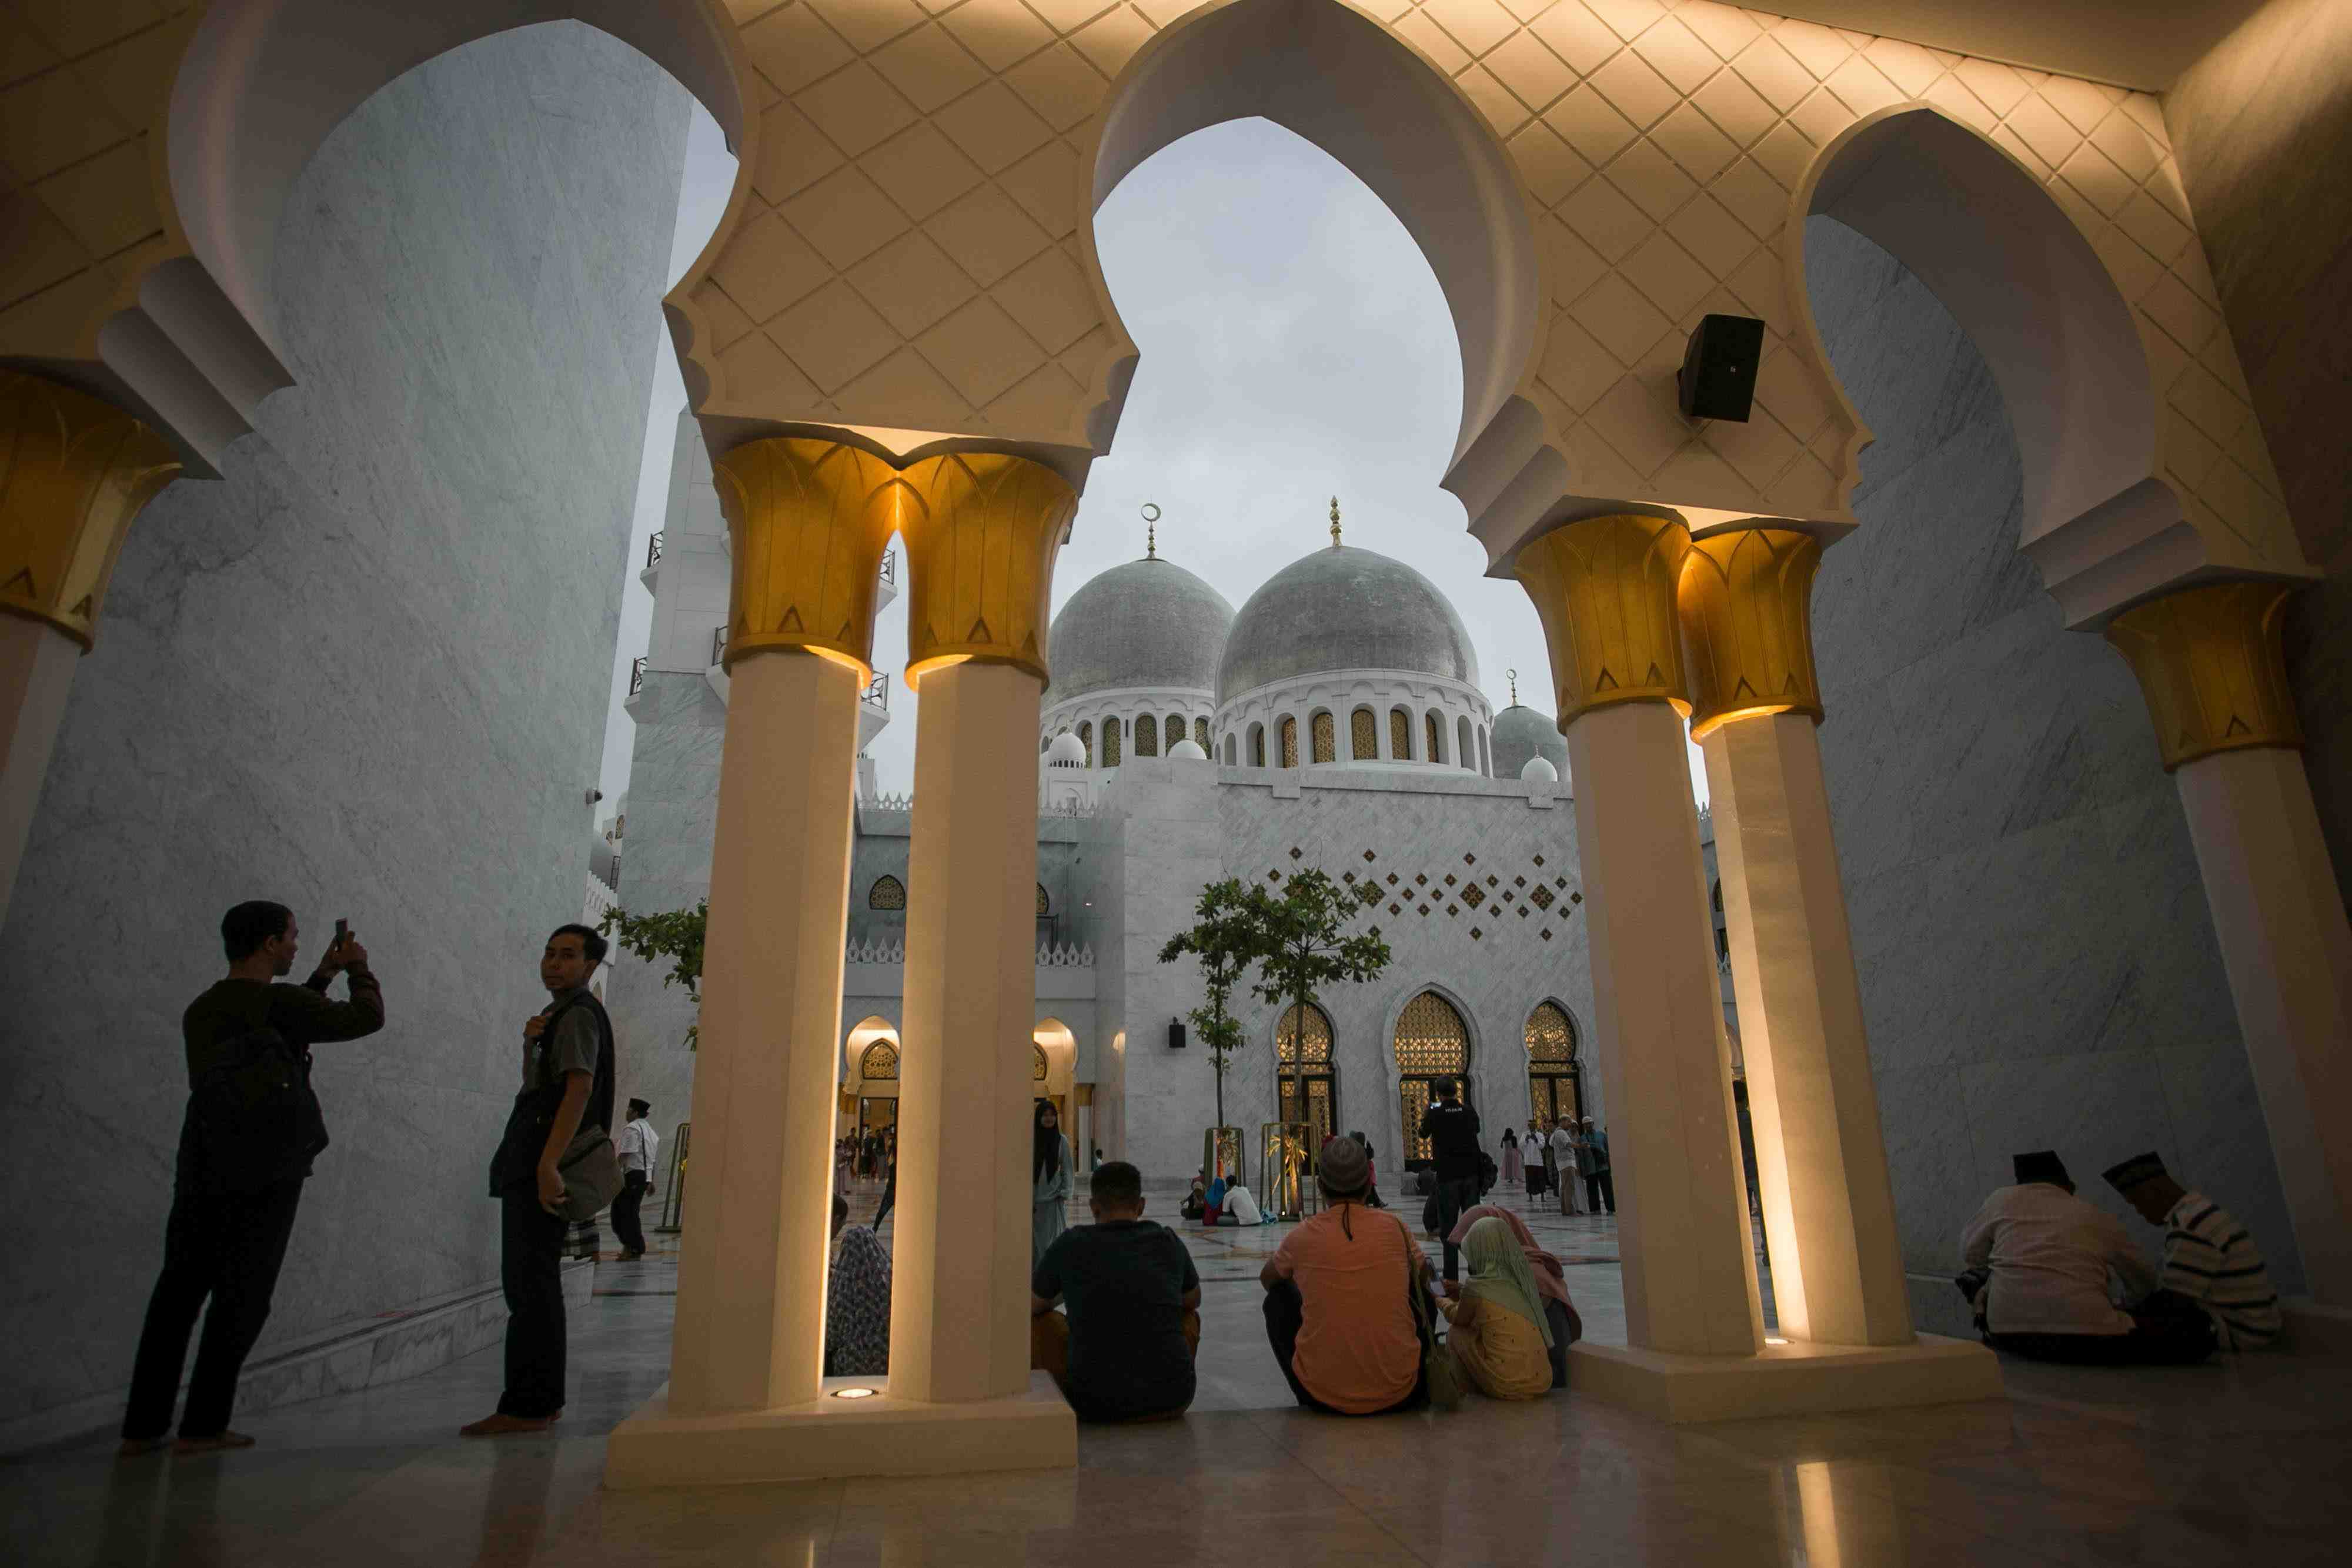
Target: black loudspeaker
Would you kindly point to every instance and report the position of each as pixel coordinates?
(1175, 1035)
(1718, 373)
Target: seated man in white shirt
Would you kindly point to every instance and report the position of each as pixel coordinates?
(2209, 1257)
(2053, 1264)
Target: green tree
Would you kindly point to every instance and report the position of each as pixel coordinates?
(676, 936)
(1224, 938)
(1305, 941)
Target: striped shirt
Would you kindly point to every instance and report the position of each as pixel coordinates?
(2208, 1257)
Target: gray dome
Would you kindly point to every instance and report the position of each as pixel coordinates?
(1521, 733)
(1344, 609)
(1146, 623)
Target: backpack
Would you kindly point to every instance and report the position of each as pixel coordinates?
(253, 1118)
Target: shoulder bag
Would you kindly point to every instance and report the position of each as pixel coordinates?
(1439, 1369)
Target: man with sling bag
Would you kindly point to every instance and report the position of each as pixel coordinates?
(567, 1092)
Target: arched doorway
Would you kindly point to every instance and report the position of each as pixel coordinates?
(1554, 1081)
(1432, 1043)
(1307, 1085)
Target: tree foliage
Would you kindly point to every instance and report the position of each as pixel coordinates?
(676, 936)
(1306, 941)
(1224, 938)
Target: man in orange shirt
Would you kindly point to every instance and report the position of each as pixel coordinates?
(1337, 1311)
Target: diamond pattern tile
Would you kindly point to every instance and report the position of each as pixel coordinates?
(1691, 140)
(1549, 165)
(1775, 73)
(833, 335)
(1577, 36)
(1666, 274)
(1635, 90)
(1737, 110)
(1675, 52)
(1533, 73)
(792, 48)
(929, 68)
(1001, 33)
(994, 127)
(920, 171)
(1596, 131)
(857, 109)
(1477, 24)
(1605, 220)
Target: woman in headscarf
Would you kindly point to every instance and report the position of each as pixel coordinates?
(1512, 1170)
(857, 1300)
(1049, 1181)
(1500, 1334)
(1551, 1287)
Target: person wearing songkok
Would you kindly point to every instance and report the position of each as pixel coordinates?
(1122, 1349)
(857, 1300)
(1338, 1316)
(2053, 1263)
(2209, 1257)
(1500, 1335)
(1551, 1284)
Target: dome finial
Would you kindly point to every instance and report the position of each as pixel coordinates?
(1513, 677)
(1335, 522)
(1150, 530)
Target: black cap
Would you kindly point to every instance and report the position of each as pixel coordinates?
(639, 1107)
(2135, 1170)
(2043, 1164)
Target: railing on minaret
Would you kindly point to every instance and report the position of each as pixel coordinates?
(636, 677)
(890, 567)
(718, 643)
(654, 549)
(877, 694)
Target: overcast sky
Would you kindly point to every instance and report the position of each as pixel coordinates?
(1295, 346)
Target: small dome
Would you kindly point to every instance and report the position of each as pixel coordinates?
(1189, 750)
(1149, 624)
(1344, 609)
(1523, 733)
(1067, 751)
(1539, 771)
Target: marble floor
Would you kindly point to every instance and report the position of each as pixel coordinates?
(2247, 1461)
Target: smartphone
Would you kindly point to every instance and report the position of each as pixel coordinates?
(343, 932)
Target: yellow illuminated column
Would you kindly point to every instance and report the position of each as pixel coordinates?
(981, 532)
(2211, 666)
(1605, 590)
(1744, 599)
(809, 521)
(74, 472)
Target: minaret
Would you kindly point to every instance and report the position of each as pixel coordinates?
(1335, 522)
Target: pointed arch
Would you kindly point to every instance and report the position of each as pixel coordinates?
(1555, 1065)
(888, 893)
(1431, 1039)
(1306, 1074)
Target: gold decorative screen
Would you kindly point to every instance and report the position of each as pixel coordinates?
(1257, 745)
(1554, 1086)
(1147, 737)
(1401, 734)
(1432, 1043)
(1086, 739)
(1319, 1038)
(1436, 738)
(880, 1062)
(1551, 1095)
(1175, 730)
(888, 893)
(1110, 743)
(1201, 733)
(1037, 1061)
(1290, 743)
(1044, 904)
(1304, 1079)
(1326, 739)
(1550, 1037)
(1363, 735)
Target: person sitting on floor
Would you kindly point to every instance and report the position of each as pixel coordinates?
(2050, 1257)
(2209, 1257)
(1123, 1349)
(1240, 1208)
(857, 1300)
(1196, 1201)
(1551, 1283)
(1336, 1315)
(1500, 1335)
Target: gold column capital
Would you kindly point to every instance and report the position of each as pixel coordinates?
(1605, 588)
(74, 472)
(810, 520)
(1746, 601)
(981, 530)
(2213, 666)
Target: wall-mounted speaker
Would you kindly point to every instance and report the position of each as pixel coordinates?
(1175, 1035)
(1719, 375)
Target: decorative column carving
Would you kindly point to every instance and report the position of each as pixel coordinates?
(2212, 666)
(981, 532)
(1746, 605)
(810, 519)
(1605, 590)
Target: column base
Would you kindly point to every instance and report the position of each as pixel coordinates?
(828, 1437)
(1786, 1379)
(2315, 1330)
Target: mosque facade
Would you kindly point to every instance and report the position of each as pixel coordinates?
(1336, 722)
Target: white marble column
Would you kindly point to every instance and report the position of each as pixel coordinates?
(1605, 590)
(1829, 1203)
(2211, 664)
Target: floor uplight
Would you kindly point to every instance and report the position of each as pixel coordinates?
(855, 1393)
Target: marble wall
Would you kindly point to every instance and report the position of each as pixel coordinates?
(2037, 962)
(364, 674)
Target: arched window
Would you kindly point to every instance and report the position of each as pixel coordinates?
(1485, 757)
(1110, 743)
(1147, 737)
(1289, 741)
(888, 893)
(1257, 745)
(1432, 1043)
(1465, 750)
(880, 1062)
(1086, 739)
(1232, 752)
(1036, 1062)
(1401, 734)
(1363, 735)
(1303, 1077)
(1175, 730)
(1327, 738)
(1555, 1081)
(1436, 731)
(1044, 904)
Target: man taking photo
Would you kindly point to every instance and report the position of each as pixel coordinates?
(1452, 1129)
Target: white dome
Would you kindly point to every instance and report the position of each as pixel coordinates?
(1146, 624)
(1344, 609)
(1189, 750)
(1539, 771)
(1067, 751)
